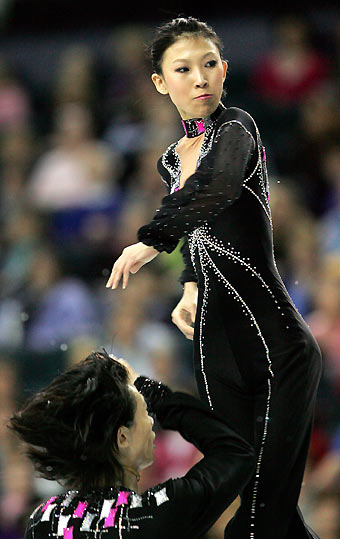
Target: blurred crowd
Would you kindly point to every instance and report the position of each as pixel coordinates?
(78, 178)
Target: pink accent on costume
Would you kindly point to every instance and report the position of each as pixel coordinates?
(264, 153)
(68, 533)
(200, 126)
(48, 503)
(78, 513)
(110, 519)
(123, 498)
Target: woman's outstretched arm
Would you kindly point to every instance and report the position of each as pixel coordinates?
(215, 185)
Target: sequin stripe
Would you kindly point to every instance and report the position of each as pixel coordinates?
(264, 176)
(173, 169)
(165, 158)
(258, 464)
(204, 150)
(262, 204)
(206, 145)
(120, 521)
(257, 166)
(201, 234)
(263, 186)
(201, 336)
(208, 240)
(232, 290)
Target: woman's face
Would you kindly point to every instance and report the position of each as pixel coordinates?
(192, 74)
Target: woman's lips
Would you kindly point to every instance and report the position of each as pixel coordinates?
(204, 96)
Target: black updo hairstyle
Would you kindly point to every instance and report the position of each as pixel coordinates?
(71, 426)
(168, 33)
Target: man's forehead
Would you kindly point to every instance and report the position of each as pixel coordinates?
(136, 393)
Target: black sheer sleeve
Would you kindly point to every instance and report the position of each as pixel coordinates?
(215, 185)
(152, 391)
(189, 273)
(196, 500)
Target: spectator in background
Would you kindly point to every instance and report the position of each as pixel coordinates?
(143, 340)
(58, 307)
(326, 475)
(15, 473)
(324, 320)
(15, 106)
(22, 233)
(322, 485)
(293, 68)
(327, 515)
(18, 149)
(329, 226)
(126, 82)
(79, 170)
(317, 128)
(296, 242)
(281, 81)
(75, 79)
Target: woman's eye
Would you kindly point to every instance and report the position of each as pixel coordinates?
(182, 69)
(211, 63)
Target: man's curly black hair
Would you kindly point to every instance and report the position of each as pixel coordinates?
(71, 427)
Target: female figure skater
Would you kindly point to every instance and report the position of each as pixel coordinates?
(256, 361)
(90, 430)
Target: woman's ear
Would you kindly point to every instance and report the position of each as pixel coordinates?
(225, 68)
(159, 83)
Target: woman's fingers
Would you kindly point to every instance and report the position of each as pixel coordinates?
(117, 271)
(189, 333)
(110, 280)
(125, 273)
(130, 261)
(182, 319)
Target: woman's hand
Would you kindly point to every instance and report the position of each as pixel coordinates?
(184, 314)
(130, 261)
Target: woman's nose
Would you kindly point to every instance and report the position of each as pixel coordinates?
(201, 80)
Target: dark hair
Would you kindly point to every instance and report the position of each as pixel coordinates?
(168, 33)
(71, 426)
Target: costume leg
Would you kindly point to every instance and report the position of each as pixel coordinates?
(272, 496)
(268, 507)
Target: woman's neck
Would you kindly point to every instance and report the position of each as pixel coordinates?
(195, 127)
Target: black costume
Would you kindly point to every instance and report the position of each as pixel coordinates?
(184, 508)
(256, 361)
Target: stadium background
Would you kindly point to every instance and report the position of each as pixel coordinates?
(81, 128)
